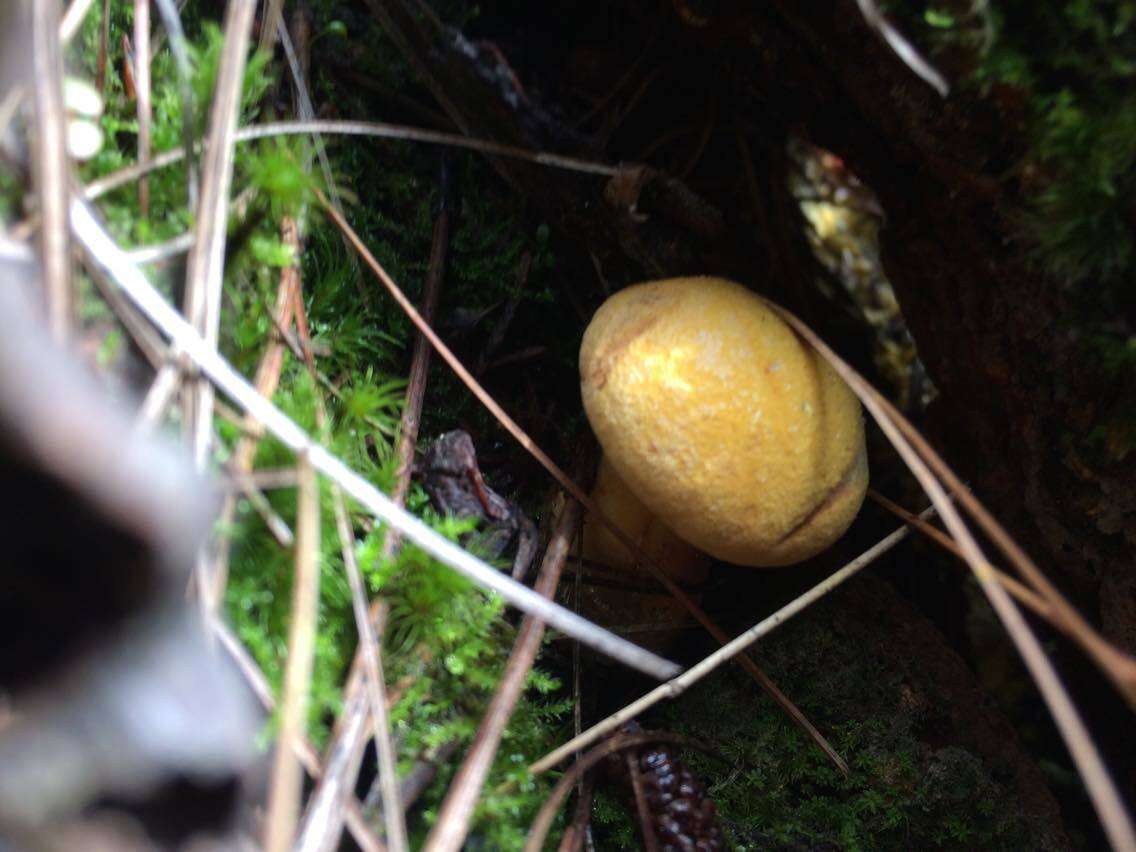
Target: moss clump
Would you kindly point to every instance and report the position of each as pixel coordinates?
(912, 785)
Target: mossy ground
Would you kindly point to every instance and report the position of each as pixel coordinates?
(906, 791)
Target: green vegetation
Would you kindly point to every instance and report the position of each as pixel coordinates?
(773, 786)
(446, 641)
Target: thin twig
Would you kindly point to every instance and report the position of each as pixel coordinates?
(902, 47)
(104, 48)
(368, 640)
(73, 19)
(179, 47)
(205, 264)
(266, 379)
(357, 128)
(49, 158)
(573, 839)
(569, 485)
(1102, 791)
(452, 825)
(158, 398)
(142, 95)
(236, 387)
(284, 790)
(646, 825)
(678, 685)
(304, 750)
(543, 822)
(1023, 593)
(276, 525)
(164, 251)
(1118, 666)
(273, 17)
(268, 479)
(322, 823)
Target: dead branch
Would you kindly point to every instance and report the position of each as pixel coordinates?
(452, 826)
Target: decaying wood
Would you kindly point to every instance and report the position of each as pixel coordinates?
(452, 826)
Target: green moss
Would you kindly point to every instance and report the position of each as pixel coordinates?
(772, 785)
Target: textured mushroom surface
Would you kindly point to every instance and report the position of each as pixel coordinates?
(726, 425)
(676, 558)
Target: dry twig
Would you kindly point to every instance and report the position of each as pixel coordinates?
(304, 750)
(378, 130)
(902, 47)
(284, 791)
(570, 486)
(51, 169)
(543, 822)
(917, 455)
(450, 830)
(1024, 594)
(233, 384)
(368, 640)
(322, 824)
(142, 94)
(675, 687)
(204, 267)
(266, 379)
(576, 833)
(73, 19)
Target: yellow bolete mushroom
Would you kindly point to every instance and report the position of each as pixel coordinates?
(680, 561)
(727, 426)
(635, 601)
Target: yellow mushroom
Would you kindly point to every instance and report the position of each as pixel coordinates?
(673, 556)
(724, 423)
(636, 601)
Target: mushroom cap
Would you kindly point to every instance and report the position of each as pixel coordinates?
(725, 424)
(676, 558)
